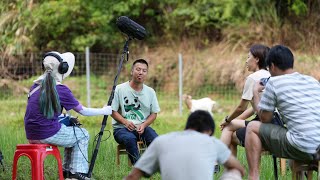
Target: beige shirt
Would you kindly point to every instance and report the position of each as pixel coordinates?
(251, 80)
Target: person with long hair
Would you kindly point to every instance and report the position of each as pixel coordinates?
(234, 126)
(46, 100)
(297, 98)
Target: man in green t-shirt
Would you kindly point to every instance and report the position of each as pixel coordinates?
(134, 108)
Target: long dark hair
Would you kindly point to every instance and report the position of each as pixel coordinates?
(260, 51)
(49, 98)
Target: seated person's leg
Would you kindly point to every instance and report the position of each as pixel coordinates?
(239, 136)
(76, 151)
(233, 174)
(148, 135)
(253, 149)
(129, 139)
(79, 155)
(273, 138)
(226, 135)
(234, 144)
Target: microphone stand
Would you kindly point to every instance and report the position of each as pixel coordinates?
(105, 117)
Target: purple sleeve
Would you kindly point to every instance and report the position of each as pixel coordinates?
(67, 100)
(78, 108)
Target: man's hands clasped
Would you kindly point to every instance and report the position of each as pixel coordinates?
(131, 127)
(140, 128)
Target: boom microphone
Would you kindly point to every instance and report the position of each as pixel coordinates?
(131, 28)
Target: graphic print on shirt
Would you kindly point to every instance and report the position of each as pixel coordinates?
(132, 108)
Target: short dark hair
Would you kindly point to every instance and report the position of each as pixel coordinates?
(260, 51)
(142, 61)
(200, 121)
(281, 57)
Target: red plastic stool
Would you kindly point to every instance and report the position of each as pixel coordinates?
(37, 154)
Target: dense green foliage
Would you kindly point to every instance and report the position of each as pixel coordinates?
(73, 25)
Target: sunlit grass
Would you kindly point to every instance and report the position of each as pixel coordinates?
(169, 119)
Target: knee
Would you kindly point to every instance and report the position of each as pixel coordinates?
(253, 127)
(234, 125)
(228, 128)
(151, 133)
(131, 145)
(130, 141)
(234, 139)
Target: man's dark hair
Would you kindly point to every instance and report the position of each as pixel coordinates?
(260, 51)
(281, 57)
(200, 121)
(142, 61)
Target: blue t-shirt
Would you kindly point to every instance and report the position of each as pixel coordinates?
(37, 126)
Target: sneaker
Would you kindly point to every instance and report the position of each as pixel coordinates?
(79, 176)
(216, 168)
(66, 174)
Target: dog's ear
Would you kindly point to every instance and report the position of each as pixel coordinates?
(184, 96)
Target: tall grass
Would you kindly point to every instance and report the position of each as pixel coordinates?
(105, 167)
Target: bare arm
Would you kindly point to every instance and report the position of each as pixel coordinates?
(265, 116)
(246, 114)
(148, 121)
(258, 88)
(233, 163)
(134, 174)
(239, 110)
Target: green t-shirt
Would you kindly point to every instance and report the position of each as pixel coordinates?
(132, 105)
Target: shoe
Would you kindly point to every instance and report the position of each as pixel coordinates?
(79, 176)
(216, 168)
(66, 174)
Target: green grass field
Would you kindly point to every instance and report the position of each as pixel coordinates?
(12, 133)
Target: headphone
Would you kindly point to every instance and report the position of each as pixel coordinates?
(63, 66)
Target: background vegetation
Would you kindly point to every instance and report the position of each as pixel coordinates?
(41, 25)
(211, 34)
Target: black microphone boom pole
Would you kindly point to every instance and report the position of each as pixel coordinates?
(105, 117)
(132, 30)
